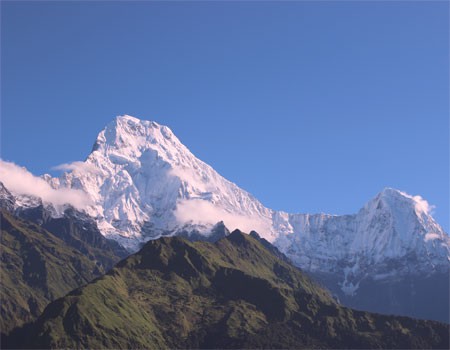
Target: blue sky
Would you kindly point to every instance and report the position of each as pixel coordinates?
(311, 107)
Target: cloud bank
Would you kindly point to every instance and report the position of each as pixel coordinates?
(204, 212)
(20, 181)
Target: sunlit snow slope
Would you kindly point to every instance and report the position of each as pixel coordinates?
(144, 182)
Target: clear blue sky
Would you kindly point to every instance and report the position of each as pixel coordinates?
(311, 107)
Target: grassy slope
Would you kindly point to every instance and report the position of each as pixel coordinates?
(78, 231)
(35, 268)
(231, 294)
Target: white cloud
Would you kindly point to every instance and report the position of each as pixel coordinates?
(423, 205)
(430, 236)
(80, 167)
(204, 212)
(19, 180)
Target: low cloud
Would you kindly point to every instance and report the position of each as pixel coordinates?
(204, 212)
(20, 181)
(423, 205)
(430, 236)
(79, 167)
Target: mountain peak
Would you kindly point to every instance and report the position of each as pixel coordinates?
(389, 191)
(3, 189)
(131, 142)
(238, 237)
(126, 118)
(146, 182)
(399, 200)
(6, 198)
(394, 224)
(129, 124)
(126, 131)
(130, 120)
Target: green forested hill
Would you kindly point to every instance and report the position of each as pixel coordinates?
(36, 267)
(235, 293)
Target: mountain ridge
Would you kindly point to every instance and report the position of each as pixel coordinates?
(36, 268)
(235, 293)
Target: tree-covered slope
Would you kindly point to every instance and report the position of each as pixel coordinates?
(36, 267)
(235, 293)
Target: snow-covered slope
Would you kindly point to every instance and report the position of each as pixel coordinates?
(392, 235)
(143, 183)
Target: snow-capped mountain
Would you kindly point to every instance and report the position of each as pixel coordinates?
(391, 227)
(143, 183)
